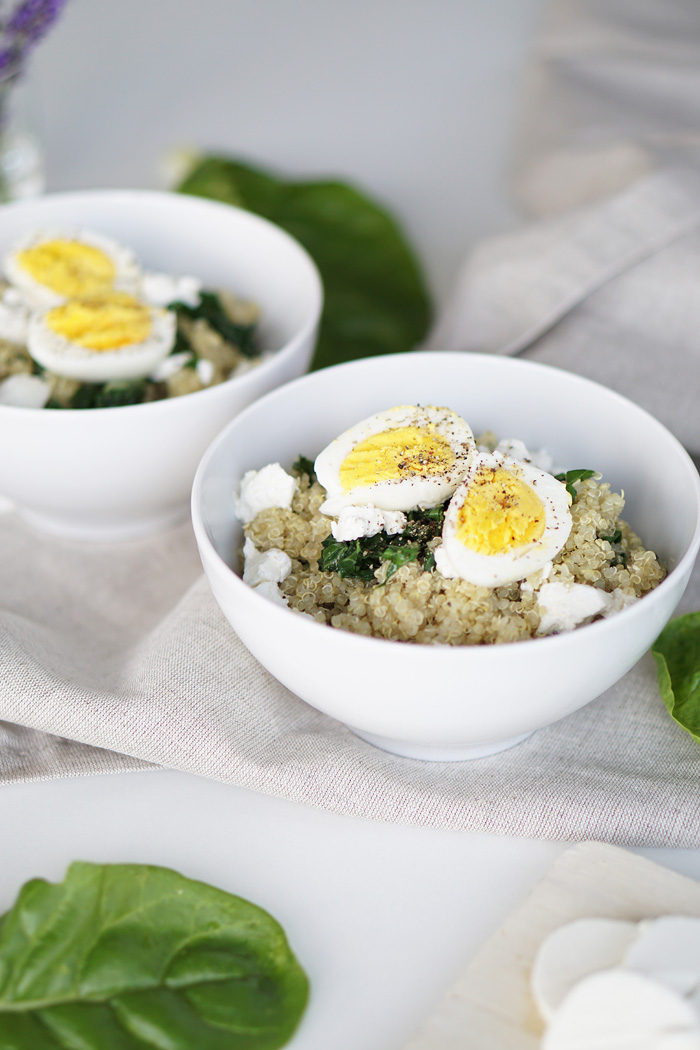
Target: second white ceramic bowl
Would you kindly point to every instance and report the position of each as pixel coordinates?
(441, 702)
(115, 473)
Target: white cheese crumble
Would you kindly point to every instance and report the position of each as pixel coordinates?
(14, 317)
(518, 450)
(161, 289)
(264, 570)
(170, 365)
(270, 487)
(355, 522)
(24, 391)
(564, 606)
(205, 371)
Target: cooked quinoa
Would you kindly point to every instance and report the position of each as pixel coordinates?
(423, 606)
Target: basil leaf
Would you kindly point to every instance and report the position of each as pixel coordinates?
(677, 655)
(376, 301)
(571, 477)
(132, 957)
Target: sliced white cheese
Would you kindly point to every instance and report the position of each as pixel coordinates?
(573, 952)
(620, 1010)
(668, 950)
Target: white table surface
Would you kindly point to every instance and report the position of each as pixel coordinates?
(415, 102)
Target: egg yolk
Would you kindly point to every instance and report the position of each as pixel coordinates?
(69, 268)
(499, 513)
(403, 452)
(104, 323)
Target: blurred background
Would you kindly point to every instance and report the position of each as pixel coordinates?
(416, 103)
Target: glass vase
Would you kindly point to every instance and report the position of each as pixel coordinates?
(21, 157)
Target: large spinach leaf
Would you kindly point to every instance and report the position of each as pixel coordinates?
(677, 655)
(134, 957)
(376, 301)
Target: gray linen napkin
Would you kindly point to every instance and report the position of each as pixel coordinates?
(123, 648)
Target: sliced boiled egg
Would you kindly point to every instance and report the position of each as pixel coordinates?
(113, 336)
(50, 266)
(406, 457)
(506, 520)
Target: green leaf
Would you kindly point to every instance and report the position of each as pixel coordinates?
(677, 655)
(304, 465)
(135, 957)
(210, 309)
(398, 556)
(571, 477)
(376, 301)
(114, 394)
(359, 558)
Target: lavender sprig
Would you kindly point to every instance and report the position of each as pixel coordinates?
(29, 21)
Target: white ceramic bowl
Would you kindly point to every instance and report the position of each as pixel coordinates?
(441, 702)
(116, 473)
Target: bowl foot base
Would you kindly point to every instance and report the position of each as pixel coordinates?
(438, 752)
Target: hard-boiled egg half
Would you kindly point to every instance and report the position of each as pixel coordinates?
(406, 457)
(51, 266)
(506, 520)
(102, 338)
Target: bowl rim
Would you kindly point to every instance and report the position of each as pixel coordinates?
(196, 203)
(440, 650)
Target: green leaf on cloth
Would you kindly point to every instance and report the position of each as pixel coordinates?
(376, 301)
(129, 957)
(677, 655)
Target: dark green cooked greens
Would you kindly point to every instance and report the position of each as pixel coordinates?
(136, 957)
(360, 558)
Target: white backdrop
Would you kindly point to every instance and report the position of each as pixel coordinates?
(412, 100)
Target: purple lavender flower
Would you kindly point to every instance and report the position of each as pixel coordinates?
(27, 24)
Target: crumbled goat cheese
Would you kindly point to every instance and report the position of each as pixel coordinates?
(354, 522)
(160, 289)
(518, 450)
(14, 317)
(271, 590)
(564, 606)
(205, 371)
(265, 569)
(24, 391)
(260, 489)
(170, 365)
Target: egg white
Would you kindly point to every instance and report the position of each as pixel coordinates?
(509, 565)
(39, 296)
(65, 357)
(410, 489)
